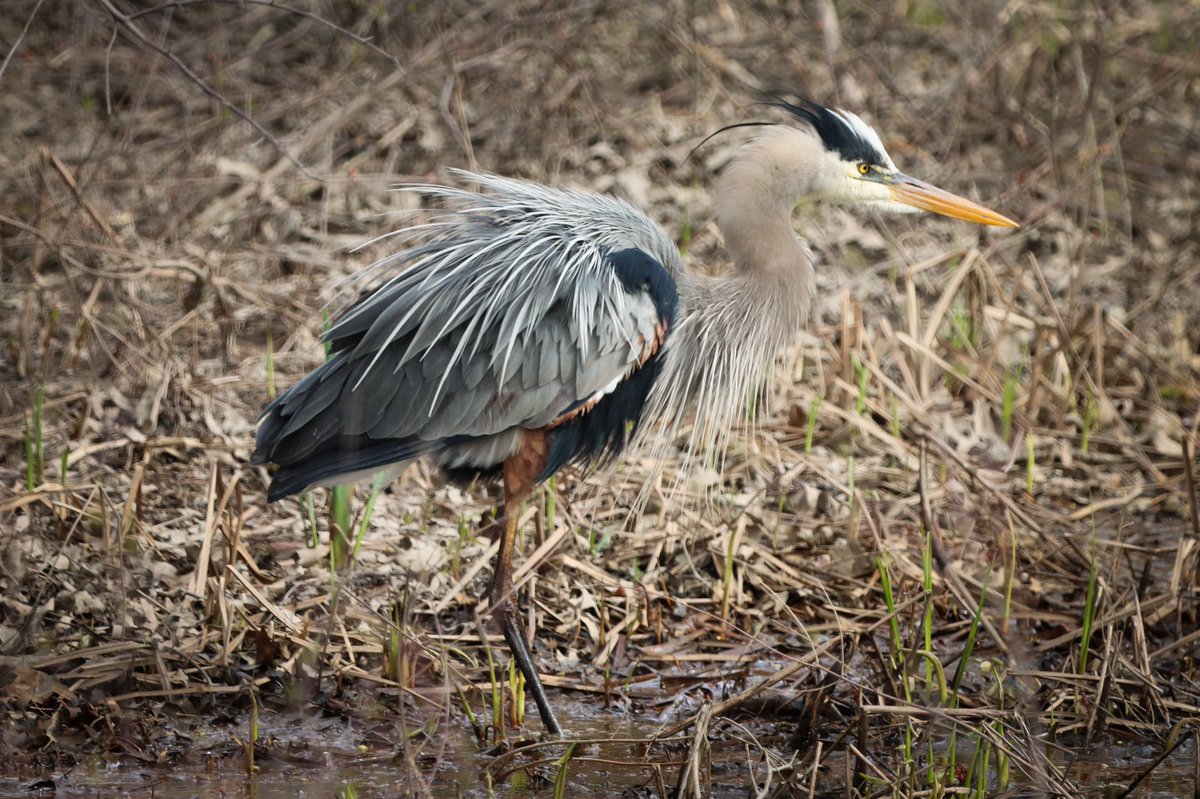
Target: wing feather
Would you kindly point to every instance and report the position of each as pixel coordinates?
(506, 317)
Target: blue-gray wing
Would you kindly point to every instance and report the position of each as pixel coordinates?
(511, 315)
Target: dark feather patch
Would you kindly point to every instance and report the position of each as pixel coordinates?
(835, 132)
(637, 271)
(601, 432)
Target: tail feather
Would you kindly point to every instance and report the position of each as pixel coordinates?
(342, 461)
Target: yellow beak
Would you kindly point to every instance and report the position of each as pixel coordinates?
(919, 194)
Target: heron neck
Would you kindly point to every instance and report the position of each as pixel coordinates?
(755, 198)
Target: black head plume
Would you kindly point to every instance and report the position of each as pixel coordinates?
(839, 132)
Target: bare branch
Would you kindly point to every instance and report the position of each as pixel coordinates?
(20, 38)
(126, 24)
(365, 41)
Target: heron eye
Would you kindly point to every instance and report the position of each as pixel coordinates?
(864, 168)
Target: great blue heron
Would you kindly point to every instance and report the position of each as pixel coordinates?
(539, 326)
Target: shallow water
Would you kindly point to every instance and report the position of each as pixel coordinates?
(325, 758)
(315, 757)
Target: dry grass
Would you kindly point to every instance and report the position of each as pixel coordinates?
(967, 527)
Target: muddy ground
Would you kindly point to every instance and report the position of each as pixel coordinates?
(958, 552)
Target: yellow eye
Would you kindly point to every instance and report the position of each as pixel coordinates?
(864, 168)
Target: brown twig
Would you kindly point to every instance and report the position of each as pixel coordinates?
(20, 38)
(299, 12)
(50, 159)
(125, 23)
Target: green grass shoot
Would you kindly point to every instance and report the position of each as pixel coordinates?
(889, 601)
(1089, 608)
(960, 671)
(339, 526)
(1012, 381)
(1002, 770)
(469, 712)
(727, 576)
(961, 328)
(896, 656)
(31, 481)
(252, 737)
(861, 374)
(1091, 415)
(34, 459)
(516, 689)
(456, 550)
(814, 408)
(598, 543)
(560, 777)
(497, 696)
(687, 231)
(377, 485)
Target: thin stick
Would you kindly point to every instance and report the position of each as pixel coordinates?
(52, 160)
(1157, 761)
(125, 23)
(1190, 481)
(299, 12)
(20, 37)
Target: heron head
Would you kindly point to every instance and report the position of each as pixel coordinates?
(856, 170)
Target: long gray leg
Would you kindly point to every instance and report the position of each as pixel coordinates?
(505, 608)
